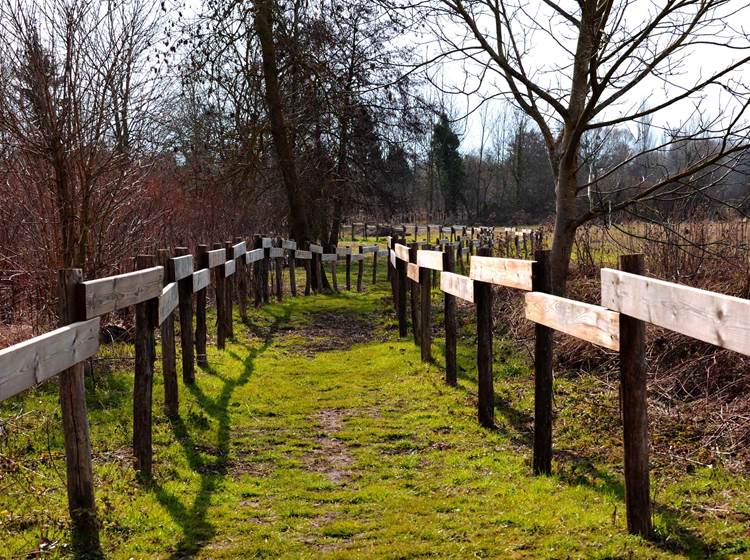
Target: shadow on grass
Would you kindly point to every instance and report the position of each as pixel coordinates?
(672, 536)
(196, 528)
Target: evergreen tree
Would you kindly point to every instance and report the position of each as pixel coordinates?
(449, 164)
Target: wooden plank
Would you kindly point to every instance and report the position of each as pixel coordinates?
(714, 318)
(201, 279)
(182, 267)
(512, 273)
(430, 259)
(329, 257)
(585, 321)
(30, 362)
(343, 251)
(168, 301)
(216, 257)
(304, 255)
(370, 249)
(229, 268)
(393, 258)
(239, 249)
(254, 255)
(356, 257)
(115, 292)
(289, 245)
(412, 271)
(266, 242)
(443, 242)
(457, 285)
(445, 229)
(383, 252)
(276, 252)
(316, 248)
(402, 252)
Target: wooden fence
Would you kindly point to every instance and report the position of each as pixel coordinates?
(628, 301)
(241, 270)
(156, 289)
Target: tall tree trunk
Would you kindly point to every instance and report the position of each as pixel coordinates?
(564, 232)
(298, 223)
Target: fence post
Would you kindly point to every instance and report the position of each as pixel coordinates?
(635, 413)
(201, 297)
(229, 283)
(401, 295)
(307, 263)
(221, 300)
(349, 272)
(279, 266)
(185, 289)
(168, 351)
(241, 283)
(292, 272)
(266, 267)
(257, 273)
(449, 312)
(486, 396)
(80, 477)
(360, 268)
(375, 267)
(425, 290)
(542, 462)
(414, 297)
(144, 377)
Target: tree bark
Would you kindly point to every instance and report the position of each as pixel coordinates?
(298, 223)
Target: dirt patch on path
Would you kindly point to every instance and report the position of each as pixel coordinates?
(335, 331)
(331, 457)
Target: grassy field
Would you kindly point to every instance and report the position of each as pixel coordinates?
(318, 434)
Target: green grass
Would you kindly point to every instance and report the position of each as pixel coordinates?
(352, 452)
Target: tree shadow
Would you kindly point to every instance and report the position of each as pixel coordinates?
(196, 528)
(673, 536)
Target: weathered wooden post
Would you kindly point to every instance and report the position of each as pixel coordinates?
(375, 266)
(79, 470)
(391, 274)
(401, 295)
(518, 246)
(542, 282)
(241, 281)
(425, 290)
(292, 251)
(449, 315)
(348, 258)
(145, 323)
(221, 300)
(279, 266)
(266, 268)
(486, 392)
(257, 273)
(635, 412)
(308, 265)
(360, 268)
(168, 351)
(228, 268)
(185, 289)
(414, 296)
(201, 302)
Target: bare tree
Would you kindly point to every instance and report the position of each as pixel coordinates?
(578, 67)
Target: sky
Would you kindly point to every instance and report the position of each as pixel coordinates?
(547, 41)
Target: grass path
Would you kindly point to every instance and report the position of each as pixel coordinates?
(317, 434)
